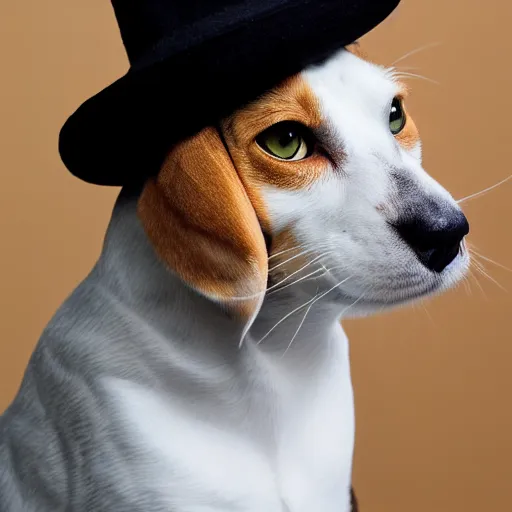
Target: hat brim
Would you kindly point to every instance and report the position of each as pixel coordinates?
(121, 135)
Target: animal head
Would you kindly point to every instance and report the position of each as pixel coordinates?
(318, 181)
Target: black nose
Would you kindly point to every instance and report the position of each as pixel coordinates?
(435, 239)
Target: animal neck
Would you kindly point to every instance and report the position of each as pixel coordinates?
(131, 270)
(290, 329)
(295, 328)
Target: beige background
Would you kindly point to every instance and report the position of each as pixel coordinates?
(433, 385)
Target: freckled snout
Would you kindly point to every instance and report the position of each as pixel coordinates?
(435, 233)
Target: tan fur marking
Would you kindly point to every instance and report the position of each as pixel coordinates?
(288, 249)
(292, 101)
(357, 50)
(409, 137)
(202, 224)
(205, 213)
(284, 241)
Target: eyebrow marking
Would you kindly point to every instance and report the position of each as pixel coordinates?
(294, 100)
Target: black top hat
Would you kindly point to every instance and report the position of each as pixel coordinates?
(193, 62)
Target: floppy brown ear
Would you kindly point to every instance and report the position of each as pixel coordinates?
(202, 224)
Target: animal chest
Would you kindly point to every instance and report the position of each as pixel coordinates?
(193, 465)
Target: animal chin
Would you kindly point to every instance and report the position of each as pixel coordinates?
(407, 295)
(368, 302)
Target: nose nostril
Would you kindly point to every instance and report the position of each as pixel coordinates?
(435, 248)
(438, 259)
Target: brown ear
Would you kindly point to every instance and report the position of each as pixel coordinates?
(202, 224)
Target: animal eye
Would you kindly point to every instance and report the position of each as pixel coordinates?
(397, 118)
(286, 141)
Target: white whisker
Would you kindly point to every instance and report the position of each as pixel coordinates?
(313, 300)
(480, 268)
(478, 194)
(285, 318)
(478, 255)
(414, 52)
(414, 75)
(407, 68)
(283, 252)
(326, 271)
(337, 267)
(305, 278)
(361, 297)
(475, 278)
(467, 285)
(302, 253)
(263, 292)
(427, 313)
(298, 271)
(300, 326)
(248, 297)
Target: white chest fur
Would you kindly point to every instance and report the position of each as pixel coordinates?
(198, 463)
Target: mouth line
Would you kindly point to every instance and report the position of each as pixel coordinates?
(406, 298)
(410, 292)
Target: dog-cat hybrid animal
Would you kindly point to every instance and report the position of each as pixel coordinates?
(201, 366)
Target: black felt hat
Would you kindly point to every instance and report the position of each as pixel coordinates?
(193, 62)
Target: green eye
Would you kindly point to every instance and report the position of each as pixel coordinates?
(397, 118)
(286, 141)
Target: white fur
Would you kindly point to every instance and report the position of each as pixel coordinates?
(292, 448)
(153, 386)
(348, 210)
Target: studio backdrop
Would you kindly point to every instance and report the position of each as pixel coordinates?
(433, 383)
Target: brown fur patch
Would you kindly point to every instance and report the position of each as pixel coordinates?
(357, 50)
(409, 137)
(202, 224)
(289, 258)
(205, 213)
(284, 241)
(292, 101)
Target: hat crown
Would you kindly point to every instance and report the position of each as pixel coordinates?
(193, 62)
(144, 23)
